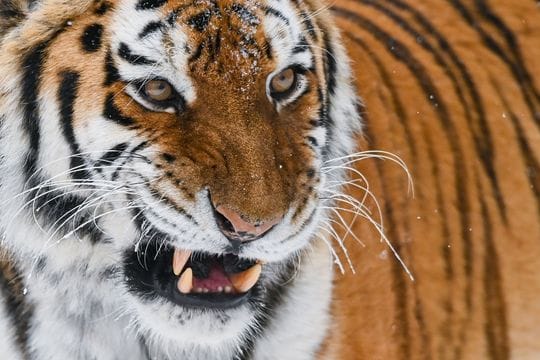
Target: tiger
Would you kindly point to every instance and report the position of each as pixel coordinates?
(276, 179)
(162, 177)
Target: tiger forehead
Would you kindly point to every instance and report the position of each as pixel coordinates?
(224, 36)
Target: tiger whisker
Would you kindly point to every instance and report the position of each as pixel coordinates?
(348, 227)
(335, 256)
(374, 154)
(384, 239)
(76, 155)
(332, 232)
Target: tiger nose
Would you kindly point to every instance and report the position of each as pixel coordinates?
(236, 228)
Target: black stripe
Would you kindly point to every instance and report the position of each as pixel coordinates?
(111, 156)
(308, 24)
(150, 28)
(198, 52)
(112, 112)
(167, 201)
(150, 4)
(111, 72)
(217, 43)
(276, 13)
(268, 50)
(9, 9)
(67, 93)
(32, 68)
(132, 154)
(91, 37)
(125, 53)
(312, 141)
(495, 327)
(18, 309)
(200, 21)
(324, 120)
(301, 46)
(103, 8)
(330, 64)
(532, 164)
(245, 15)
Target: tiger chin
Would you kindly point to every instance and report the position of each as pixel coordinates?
(162, 184)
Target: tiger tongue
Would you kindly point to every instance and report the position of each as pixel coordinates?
(216, 281)
(207, 275)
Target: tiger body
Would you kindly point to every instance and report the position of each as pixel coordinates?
(450, 87)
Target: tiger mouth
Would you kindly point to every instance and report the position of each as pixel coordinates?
(197, 280)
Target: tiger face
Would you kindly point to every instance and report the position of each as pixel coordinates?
(193, 137)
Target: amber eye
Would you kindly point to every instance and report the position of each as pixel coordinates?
(283, 82)
(158, 90)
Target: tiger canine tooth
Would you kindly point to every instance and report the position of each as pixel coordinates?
(185, 284)
(244, 281)
(180, 259)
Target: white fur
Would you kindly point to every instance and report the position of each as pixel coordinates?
(296, 334)
(80, 315)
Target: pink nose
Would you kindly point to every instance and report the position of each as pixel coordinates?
(235, 227)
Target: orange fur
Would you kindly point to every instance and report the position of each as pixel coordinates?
(475, 260)
(259, 139)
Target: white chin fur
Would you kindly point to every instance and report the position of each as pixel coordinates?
(191, 327)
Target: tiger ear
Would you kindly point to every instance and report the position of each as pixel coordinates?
(12, 12)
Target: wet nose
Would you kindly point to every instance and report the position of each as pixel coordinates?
(234, 226)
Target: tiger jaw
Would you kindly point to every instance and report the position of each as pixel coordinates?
(195, 280)
(214, 282)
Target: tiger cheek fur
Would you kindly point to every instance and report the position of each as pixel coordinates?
(226, 173)
(253, 157)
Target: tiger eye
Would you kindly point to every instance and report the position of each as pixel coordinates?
(158, 90)
(283, 81)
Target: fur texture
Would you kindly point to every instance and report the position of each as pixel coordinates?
(449, 86)
(452, 87)
(98, 181)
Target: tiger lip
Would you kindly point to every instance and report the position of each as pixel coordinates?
(238, 283)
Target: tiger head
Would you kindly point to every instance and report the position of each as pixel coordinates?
(186, 140)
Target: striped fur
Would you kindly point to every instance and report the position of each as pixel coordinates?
(453, 87)
(449, 86)
(97, 180)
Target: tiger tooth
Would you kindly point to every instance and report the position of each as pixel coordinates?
(244, 281)
(185, 283)
(180, 259)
